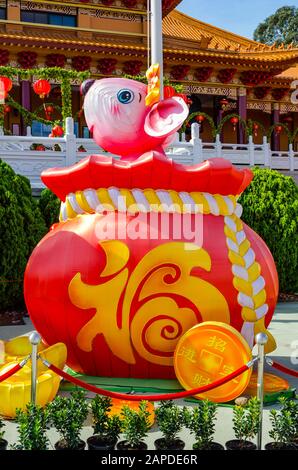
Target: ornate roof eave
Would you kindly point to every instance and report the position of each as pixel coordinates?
(276, 59)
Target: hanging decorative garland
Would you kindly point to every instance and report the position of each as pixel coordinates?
(253, 126)
(28, 116)
(200, 115)
(277, 129)
(232, 118)
(65, 77)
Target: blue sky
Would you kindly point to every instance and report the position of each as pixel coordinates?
(238, 16)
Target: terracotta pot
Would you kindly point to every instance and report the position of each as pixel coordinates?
(240, 445)
(61, 445)
(162, 444)
(98, 443)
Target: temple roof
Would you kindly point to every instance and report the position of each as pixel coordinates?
(186, 39)
(203, 37)
(292, 72)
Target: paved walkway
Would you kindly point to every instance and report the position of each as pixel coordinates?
(284, 327)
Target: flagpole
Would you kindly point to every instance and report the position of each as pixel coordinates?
(157, 38)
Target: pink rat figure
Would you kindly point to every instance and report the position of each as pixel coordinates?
(121, 123)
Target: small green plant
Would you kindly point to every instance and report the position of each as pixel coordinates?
(292, 407)
(170, 420)
(32, 426)
(135, 424)
(246, 420)
(105, 426)
(201, 422)
(68, 416)
(283, 425)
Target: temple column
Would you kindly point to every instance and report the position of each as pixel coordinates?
(242, 111)
(26, 101)
(275, 119)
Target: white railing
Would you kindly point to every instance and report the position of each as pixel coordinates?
(64, 151)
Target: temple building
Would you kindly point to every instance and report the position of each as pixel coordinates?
(222, 72)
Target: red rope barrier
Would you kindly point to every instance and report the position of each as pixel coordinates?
(282, 368)
(164, 396)
(10, 372)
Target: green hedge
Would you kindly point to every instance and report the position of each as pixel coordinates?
(21, 228)
(49, 205)
(270, 207)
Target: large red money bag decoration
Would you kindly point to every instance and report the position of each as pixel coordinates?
(145, 248)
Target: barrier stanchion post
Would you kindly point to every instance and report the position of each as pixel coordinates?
(34, 340)
(261, 340)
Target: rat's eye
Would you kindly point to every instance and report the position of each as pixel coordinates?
(125, 96)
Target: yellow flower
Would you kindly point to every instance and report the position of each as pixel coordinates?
(153, 77)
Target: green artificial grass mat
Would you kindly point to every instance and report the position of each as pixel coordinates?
(124, 385)
(132, 385)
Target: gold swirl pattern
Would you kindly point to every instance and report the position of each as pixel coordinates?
(161, 301)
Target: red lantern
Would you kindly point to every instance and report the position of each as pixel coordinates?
(57, 131)
(42, 88)
(278, 129)
(5, 87)
(49, 109)
(7, 109)
(255, 129)
(200, 118)
(234, 121)
(223, 102)
(169, 92)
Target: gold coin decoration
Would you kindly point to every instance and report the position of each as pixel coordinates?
(272, 384)
(208, 352)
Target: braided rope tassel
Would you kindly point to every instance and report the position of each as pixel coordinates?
(136, 200)
(248, 280)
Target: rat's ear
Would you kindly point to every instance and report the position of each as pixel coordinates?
(86, 85)
(166, 117)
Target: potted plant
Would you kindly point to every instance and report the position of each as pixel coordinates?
(201, 422)
(283, 427)
(170, 420)
(3, 442)
(135, 426)
(68, 416)
(32, 427)
(245, 424)
(106, 427)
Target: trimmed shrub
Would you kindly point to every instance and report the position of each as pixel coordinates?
(270, 207)
(21, 228)
(49, 206)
